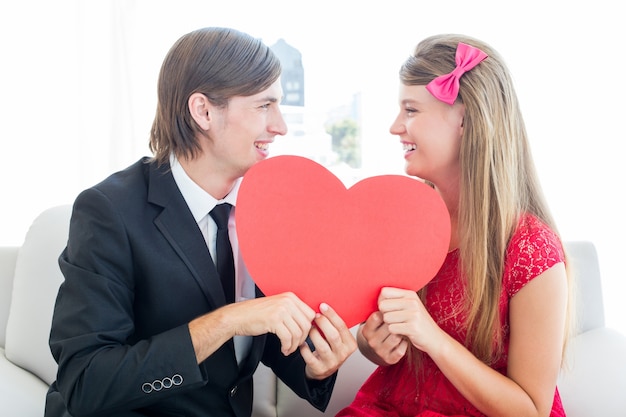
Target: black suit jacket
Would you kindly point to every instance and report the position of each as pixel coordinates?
(137, 270)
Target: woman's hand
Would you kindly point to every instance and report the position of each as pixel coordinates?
(378, 344)
(404, 315)
(401, 319)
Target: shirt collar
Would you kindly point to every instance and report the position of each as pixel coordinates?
(199, 201)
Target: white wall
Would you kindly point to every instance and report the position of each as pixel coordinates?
(77, 82)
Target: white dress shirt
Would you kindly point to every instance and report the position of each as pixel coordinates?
(201, 203)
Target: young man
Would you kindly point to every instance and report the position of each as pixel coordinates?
(143, 324)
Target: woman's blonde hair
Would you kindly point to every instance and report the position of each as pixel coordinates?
(498, 180)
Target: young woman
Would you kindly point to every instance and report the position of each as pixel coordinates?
(486, 336)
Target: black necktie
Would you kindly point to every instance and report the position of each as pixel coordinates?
(225, 262)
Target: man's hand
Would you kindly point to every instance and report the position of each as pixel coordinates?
(333, 342)
(285, 315)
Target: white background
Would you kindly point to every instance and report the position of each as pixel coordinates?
(77, 92)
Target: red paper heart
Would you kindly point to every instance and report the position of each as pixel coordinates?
(301, 230)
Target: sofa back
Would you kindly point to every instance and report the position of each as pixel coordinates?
(585, 266)
(8, 255)
(35, 286)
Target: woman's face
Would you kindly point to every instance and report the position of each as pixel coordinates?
(430, 132)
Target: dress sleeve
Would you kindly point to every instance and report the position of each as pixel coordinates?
(533, 249)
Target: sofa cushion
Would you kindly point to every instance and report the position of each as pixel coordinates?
(36, 282)
(264, 400)
(352, 374)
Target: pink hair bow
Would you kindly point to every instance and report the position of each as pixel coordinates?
(446, 87)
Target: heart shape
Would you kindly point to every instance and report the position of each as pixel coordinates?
(301, 230)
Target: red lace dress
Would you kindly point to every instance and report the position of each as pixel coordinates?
(393, 391)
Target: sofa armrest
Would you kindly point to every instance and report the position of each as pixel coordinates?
(21, 393)
(593, 382)
(8, 257)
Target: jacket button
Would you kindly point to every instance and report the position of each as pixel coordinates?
(233, 391)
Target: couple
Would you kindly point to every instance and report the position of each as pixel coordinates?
(143, 326)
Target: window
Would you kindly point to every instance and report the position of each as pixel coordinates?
(79, 94)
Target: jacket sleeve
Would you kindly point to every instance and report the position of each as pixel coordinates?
(103, 365)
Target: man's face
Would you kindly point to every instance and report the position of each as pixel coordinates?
(240, 134)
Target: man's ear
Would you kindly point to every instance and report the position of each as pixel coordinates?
(200, 109)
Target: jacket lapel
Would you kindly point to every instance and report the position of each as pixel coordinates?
(181, 230)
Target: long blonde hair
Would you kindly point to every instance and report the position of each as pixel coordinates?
(498, 180)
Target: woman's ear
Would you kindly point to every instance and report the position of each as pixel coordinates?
(461, 116)
(200, 109)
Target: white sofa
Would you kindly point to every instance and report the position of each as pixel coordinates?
(594, 385)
